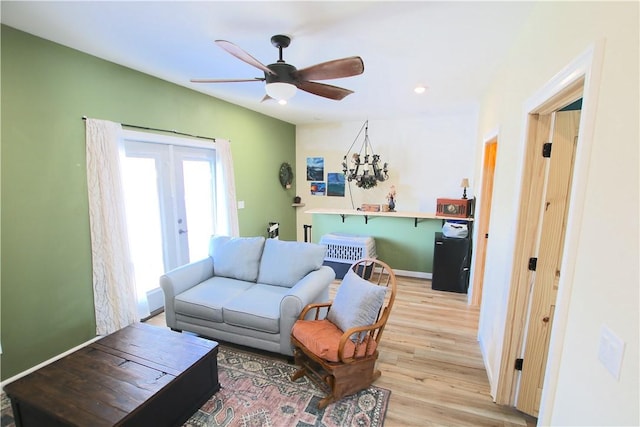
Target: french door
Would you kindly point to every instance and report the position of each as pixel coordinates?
(170, 204)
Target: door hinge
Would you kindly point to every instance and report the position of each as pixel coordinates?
(546, 149)
(533, 263)
(518, 366)
(486, 236)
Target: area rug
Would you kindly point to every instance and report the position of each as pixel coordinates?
(256, 390)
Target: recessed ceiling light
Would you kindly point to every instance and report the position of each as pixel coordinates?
(282, 102)
(420, 89)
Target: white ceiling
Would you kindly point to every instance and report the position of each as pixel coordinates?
(453, 48)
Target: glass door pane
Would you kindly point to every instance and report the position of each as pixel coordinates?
(143, 220)
(198, 200)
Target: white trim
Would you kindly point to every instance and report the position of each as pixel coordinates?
(47, 362)
(490, 136)
(587, 65)
(487, 366)
(157, 138)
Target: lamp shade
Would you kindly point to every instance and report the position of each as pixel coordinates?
(465, 182)
(281, 91)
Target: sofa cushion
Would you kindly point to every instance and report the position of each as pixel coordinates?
(256, 308)
(236, 257)
(285, 263)
(205, 300)
(357, 303)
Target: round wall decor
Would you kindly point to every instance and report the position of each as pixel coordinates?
(286, 175)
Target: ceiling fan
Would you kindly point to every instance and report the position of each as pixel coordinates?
(283, 79)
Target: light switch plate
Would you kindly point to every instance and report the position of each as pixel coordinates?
(240, 204)
(610, 351)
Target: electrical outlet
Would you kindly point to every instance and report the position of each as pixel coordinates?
(610, 351)
(240, 204)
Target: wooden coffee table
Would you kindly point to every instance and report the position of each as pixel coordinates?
(141, 375)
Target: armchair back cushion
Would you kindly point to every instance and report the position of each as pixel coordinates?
(236, 257)
(357, 303)
(285, 263)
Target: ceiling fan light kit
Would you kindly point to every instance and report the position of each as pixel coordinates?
(281, 91)
(282, 79)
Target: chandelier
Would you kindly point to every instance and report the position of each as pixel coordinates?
(365, 169)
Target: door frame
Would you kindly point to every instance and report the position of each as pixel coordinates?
(482, 218)
(582, 76)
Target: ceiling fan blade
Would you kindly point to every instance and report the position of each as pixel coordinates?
(255, 79)
(242, 55)
(324, 90)
(345, 67)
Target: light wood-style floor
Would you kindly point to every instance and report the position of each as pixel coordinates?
(430, 360)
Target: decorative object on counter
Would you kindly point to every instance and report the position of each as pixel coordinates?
(457, 208)
(391, 198)
(464, 184)
(364, 170)
(286, 175)
(368, 207)
(297, 200)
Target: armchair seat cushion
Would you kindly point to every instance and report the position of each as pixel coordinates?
(322, 338)
(256, 308)
(206, 300)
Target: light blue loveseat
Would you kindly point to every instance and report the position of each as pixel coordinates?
(249, 291)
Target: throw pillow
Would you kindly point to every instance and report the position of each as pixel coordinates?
(357, 303)
(237, 257)
(285, 263)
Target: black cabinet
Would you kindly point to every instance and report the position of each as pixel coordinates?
(451, 261)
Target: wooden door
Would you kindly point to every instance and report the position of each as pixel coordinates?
(553, 218)
(483, 215)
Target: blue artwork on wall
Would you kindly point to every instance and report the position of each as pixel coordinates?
(315, 168)
(335, 184)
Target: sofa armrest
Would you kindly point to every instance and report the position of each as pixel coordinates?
(314, 287)
(179, 280)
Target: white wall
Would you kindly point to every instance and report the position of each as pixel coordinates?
(428, 157)
(604, 290)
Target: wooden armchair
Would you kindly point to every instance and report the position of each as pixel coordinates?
(342, 362)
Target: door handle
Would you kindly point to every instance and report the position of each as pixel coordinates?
(181, 231)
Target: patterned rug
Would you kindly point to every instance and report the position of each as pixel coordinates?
(256, 391)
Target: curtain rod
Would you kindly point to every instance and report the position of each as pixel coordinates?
(163, 130)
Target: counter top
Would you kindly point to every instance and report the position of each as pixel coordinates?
(401, 214)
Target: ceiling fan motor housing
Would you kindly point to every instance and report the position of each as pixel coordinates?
(283, 73)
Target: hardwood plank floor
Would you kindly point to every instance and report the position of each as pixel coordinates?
(430, 360)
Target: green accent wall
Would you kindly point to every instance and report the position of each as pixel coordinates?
(399, 242)
(46, 304)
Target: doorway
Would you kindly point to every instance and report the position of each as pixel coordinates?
(483, 216)
(169, 199)
(574, 82)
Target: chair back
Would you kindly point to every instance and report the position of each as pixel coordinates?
(379, 273)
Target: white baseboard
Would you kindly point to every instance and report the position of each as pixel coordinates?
(155, 299)
(415, 274)
(487, 367)
(46, 362)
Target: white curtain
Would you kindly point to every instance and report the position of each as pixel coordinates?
(114, 291)
(227, 210)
